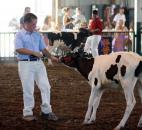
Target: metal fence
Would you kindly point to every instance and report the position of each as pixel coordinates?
(7, 46)
(7, 53)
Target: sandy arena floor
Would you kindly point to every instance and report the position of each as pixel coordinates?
(69, 98)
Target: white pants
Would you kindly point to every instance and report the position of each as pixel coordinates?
(30, 71)
(91, 45)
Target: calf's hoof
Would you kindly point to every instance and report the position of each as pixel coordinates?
(85, 122)
(117, 128)
(88, 122)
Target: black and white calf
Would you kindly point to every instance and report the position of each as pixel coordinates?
(79, 61)
(120, 67)
(70, 39)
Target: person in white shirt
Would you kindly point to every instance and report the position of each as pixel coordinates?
(79, 18)
(119, 16)
(26, 11)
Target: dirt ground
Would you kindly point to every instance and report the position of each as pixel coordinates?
(69, 98)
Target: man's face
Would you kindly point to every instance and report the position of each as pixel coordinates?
(94, 16)
(31, 26)
(121, 11)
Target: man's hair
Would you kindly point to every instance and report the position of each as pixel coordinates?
(95, 12)
(29, 17)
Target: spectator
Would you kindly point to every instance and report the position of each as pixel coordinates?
(113, 7)
(67, 19)
(107, 26)
(105, 46)
(119, 16)
(95, 27)
(84, 25)
(107, 15)
(107, 29)
(130, 40)
(14, 24)
(29, 45)
(26, 10)
(79, 18)
(120, 37)
(48, 24)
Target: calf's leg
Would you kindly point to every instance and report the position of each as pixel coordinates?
(93, 97)
(95, 105)
(140, 94)
(128, 87)
(90, 104)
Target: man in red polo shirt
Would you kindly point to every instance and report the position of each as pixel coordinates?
(95, 27)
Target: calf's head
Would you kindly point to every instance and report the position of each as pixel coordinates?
(79, 61)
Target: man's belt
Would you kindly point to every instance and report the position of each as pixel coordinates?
(31, 59)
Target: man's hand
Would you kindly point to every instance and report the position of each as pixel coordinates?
(47, 54)
(38, 54)
(53, 58)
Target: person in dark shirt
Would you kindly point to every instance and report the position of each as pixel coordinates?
(95, 27)
(95, 24)
(67, 19)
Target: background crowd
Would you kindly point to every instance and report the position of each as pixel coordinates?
(113, 26)
(75, 18)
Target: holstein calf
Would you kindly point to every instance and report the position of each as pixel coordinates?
(120, 67)
(79, 61)
(71, 39)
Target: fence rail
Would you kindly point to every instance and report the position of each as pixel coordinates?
(7, 46)
(7, 53)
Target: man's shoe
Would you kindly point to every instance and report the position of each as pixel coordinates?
(49, 116)
(29, 118)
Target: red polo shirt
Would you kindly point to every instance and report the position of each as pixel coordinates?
(96, 24)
